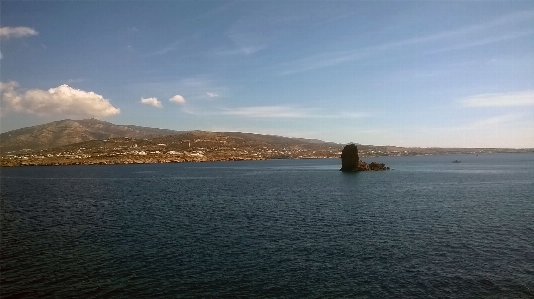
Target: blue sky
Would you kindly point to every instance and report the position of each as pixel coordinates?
(405, 73)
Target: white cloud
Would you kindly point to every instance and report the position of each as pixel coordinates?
(62, 100)
(74, 81)
(152, 102)
(497, 120)
(353, 115)
(326, 59)
(169, 48)
(510, 130)
(477, 35)
(8, 32)
(289, 112)
(240, 51)
(275, 112)
(177, 99)
(483, 41)
(212, 94)
(510, 99)
(268, 112)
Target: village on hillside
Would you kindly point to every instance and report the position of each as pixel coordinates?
(202, 147)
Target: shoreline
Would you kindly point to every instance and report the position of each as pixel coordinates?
(46, 161)
(25, 163)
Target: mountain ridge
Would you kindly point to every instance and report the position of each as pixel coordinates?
(66, 132)
(64, 135)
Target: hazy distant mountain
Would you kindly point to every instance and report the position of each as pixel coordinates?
(64, 132)
(279, 140)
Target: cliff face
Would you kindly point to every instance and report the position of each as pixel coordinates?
(350, 161)
(350, 158)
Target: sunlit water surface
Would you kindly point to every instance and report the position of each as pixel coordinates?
(285, 228)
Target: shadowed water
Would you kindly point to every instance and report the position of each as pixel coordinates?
(285, 228)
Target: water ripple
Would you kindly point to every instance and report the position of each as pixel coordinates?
(271, 229)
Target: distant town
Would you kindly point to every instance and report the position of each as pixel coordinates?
(217, 148)
(71, 142)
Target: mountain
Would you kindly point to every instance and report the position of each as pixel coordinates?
(92, 141)
(278, 140)
(65, 132)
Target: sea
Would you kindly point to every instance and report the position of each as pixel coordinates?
(427, 228)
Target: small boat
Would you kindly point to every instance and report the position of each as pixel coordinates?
(456, 161)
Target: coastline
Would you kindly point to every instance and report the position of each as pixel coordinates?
(189, 158)
(4, 162)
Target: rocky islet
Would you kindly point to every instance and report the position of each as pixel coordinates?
(350, 161)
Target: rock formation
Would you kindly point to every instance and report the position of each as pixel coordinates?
(349, 158)
(350, 161)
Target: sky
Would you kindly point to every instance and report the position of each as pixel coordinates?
(404, 73)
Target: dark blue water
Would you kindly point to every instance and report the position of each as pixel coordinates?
(271, 229)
